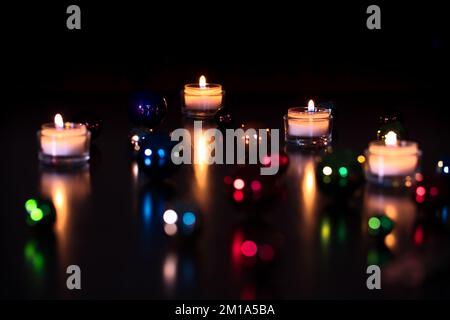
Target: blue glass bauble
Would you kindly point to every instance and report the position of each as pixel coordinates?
(147, 109)
(154, 156)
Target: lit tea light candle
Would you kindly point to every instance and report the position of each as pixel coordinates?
(202, 99)
(392, 158)
(310, 126)
(63, 142)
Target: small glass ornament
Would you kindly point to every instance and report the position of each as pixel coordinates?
(147, 109)
(40, 212)
(340, 173)
(154, 156)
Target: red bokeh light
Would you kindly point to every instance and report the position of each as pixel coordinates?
(236, 247)
(256, 186)
(284, 160)
(420, 199)
(266, 161)
(421, 191)
(249, 248)
(434, 191)
(266, 252)
(418, 235)
(238, 196)
(228, 180)
(248, 292)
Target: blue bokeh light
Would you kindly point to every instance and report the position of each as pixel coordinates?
(189, 218)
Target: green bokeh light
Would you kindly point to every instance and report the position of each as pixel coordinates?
(38, 262)
(374, 223)
(30, 250)
(343, 172)
(386, 224)
(373, 257)
(35, 258)
(30, 205)
(342, 231)
(36, 214)
(342, 183)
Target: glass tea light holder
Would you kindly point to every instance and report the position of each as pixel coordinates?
(309, 127)
(392, 162)
(202, 100)
(63, 143)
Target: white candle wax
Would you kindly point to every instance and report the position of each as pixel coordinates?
(308, 122)
(203, 96)
(63, 139)
(392, 158)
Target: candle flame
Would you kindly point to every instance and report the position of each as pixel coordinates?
(390, 138)
(202, 82)
(311, 106)
(59, 123)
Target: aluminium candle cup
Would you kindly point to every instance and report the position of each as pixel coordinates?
(202, 102)
(392, 166)
(308, 129)
(64, 146)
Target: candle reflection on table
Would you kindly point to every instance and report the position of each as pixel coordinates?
(200, 144)
(135, 173)
(201, 166)
(309, 186)
(135, 184)
(302, 169)
(305, 193)
(400, 208)
(170, 270)
(68, 191)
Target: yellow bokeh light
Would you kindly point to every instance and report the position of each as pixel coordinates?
(390, 241)
(361, 159)
(325, 231)
(391, 211)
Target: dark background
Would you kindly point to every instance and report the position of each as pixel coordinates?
(139, 44)
(268, 57)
